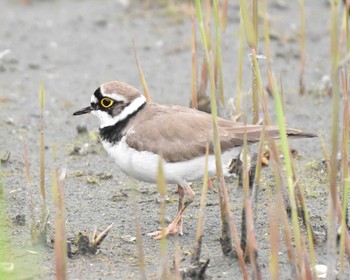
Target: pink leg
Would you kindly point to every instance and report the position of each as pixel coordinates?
(176, 225)
(181, 192)
(210, 184)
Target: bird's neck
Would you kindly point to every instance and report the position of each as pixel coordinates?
(114, 133)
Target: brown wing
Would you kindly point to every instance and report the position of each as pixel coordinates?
(179, 133)
(254, 131)
(176, 133)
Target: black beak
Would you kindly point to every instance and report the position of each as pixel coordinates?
(83, 111)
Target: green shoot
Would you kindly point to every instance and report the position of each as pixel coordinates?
(218, 55)
(288, 165)
(227, 223)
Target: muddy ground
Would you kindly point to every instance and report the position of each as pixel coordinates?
(73, 47)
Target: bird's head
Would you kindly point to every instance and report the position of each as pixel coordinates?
(113, 102)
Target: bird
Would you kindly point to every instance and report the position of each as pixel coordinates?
(136, 134)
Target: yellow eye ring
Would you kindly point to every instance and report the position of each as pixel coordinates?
(106, 102)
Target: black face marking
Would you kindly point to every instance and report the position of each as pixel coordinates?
(98, 93)
(98, 96)
(114, 110)
(114, 133)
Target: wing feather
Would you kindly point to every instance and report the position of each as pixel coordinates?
(179, 133)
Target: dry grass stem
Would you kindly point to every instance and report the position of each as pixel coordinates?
(274, 244)
(162, 189)
(142, 76)
(139, 243)
(42, 146)
(60, 228)
(97, 239)
(197, 249)
(331, 234)
(249, 219)
(228, 227)
(194, 65)
(302, 47)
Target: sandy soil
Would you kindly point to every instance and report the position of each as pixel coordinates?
(73, 47)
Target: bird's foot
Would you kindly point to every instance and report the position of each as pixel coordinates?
(169, 230)
(210, 183)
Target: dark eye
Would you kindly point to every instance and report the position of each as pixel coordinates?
(106, 102)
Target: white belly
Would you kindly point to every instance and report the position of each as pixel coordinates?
(144, 165)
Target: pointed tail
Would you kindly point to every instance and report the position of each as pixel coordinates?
(297, 133)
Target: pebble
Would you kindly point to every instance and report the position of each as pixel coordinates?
(321, 271)
(82, 128)
(9, 120)
(80, 150)
(19, 220)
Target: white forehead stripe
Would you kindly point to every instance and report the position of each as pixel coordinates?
(108, 120)
(93, 99)
(115, 96)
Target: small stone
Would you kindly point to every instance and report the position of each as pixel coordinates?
(128, 238)
(5, 157)
(33, 66)
(19, 220)
(62, 174)
(80, 149)
(159, 198)
(93, 180)
(4, 53)
(9, 121)
(119, 197)
(82, 128)
(281, 5)
(101, 23)
(105, 176)
(321, 271)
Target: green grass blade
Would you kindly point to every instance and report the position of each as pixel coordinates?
(248, 25)
(331, 233)
(240, 69)
(218, 53)
(288, 165)
(227, 223)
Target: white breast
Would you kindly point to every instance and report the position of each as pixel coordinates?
(144, 165)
